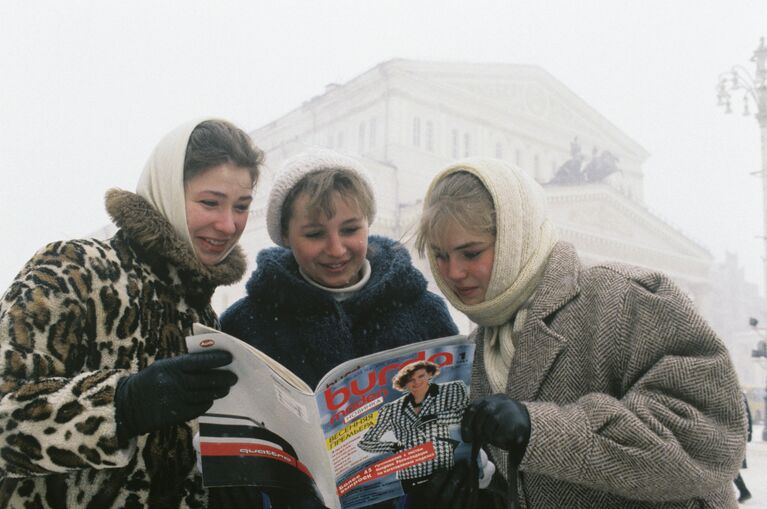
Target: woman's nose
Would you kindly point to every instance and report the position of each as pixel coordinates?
(226, 223)
(455, 270)
(334, 246)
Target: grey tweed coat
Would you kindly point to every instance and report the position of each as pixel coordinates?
(633, 399)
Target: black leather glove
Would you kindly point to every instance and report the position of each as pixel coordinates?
(457, 488)
(500, 421)
(171, 391)
(495, 496)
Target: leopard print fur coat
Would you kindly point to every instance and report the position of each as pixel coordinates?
(79, 316)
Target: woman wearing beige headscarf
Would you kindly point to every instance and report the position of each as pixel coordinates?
(603, 386)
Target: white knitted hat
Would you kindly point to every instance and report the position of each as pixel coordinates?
(294, 169)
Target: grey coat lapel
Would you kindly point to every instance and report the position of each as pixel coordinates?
(538, 346)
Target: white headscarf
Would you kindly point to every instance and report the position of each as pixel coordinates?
(162, 181)
(524, 239)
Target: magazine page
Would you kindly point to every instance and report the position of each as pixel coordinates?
(392, 419)
(241, 350)
(265, 432)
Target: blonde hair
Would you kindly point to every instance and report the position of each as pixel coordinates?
(320, 187)
(459, 198)
(403, 376)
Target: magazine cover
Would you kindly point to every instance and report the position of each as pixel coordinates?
(390, 424)
(372, 428)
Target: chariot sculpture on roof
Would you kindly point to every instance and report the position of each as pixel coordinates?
(600, 166)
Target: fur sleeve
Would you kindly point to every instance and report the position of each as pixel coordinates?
(57, 410)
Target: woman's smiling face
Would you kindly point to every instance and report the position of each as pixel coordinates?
(418, 383)
(217, 203)
(330, 250)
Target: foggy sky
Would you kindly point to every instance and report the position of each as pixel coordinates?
(88, 88)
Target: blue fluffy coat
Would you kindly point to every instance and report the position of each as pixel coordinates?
(309, 332)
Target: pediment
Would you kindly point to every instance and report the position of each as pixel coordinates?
(521, 91)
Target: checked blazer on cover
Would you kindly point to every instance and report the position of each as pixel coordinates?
(443, 406)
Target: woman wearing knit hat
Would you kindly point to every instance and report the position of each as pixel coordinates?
(98, 390)
(329, 292)
(592, 387)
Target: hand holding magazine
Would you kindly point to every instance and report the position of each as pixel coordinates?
(373, 427)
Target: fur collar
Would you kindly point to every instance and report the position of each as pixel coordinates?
(393, 282)
(154, 234)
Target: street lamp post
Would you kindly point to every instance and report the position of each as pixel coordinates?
(760, 353)
(752, 89)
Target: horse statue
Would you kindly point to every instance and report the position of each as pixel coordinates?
(570, 172)
(601, 166)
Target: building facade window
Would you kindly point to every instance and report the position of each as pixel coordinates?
(466, 144)
(331, 141)
(340, 140)
(361, 138)
(429, 136)
(416, 132)
(372, 133)
(455, 142)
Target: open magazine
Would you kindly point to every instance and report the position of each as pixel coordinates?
(373, 426)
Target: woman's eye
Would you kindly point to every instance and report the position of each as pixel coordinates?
(242, 208)
(470, 255)
(209, 203)
(440, 256)
(313, 235)
(350, 231)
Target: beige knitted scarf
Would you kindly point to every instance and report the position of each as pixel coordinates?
(525, 237)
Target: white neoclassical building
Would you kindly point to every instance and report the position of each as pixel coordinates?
(407, 119)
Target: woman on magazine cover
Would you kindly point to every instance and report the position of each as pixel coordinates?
(98, 392)
(330, 292)
(422, 415)
(603, 386)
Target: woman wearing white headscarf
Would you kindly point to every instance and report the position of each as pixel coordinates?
(603, 386)
(97, 387)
